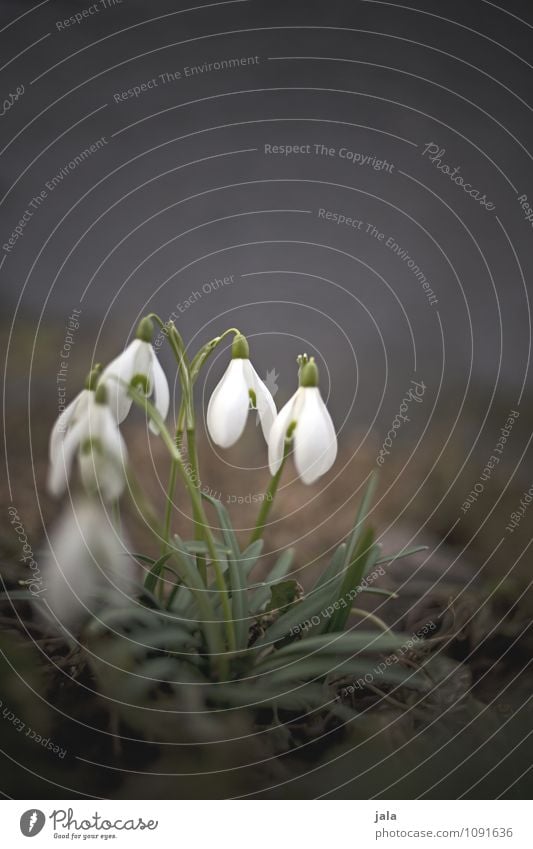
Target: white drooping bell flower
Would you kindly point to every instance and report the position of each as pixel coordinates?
(304, 419)
(72, 414)
(101, 451)
(86, 566)
(137, 366)
(239, 390)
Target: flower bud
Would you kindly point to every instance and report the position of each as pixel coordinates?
(145, 329)
(240, 350)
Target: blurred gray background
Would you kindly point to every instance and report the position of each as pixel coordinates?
(181, 192)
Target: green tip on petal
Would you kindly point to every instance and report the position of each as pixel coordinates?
(309, 374)
(92, 378)
(145, 329)
(240, 350)
(290, 430)
(140, 381)
(89, 445)
(100, 395)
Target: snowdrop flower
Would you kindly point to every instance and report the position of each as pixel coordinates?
(138, 366)
(85, 566)
(240, 390)
(306, 419)
(100, 448)
(72, 414)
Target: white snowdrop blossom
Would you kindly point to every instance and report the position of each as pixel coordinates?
(72, 413)
(138, 365)
(101, 451)
(309, 423)
(239, 390)
(86, 565)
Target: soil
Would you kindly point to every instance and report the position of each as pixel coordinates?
(399, 745)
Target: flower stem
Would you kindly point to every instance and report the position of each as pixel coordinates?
(142, 505)
(195, 480)
(200, 358)
(198, 511)
(270, 494)
(170, 503)
(207, 535)
(201, 522)
(116, 515)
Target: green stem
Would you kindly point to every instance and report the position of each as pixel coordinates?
(211, 547)
(116, 515)
(151, 411)
(194, 493)
(195, 480)
(200, 358)
(142, 505)
(198, 510)
(193, 457)
(270, 494)
(169, 504)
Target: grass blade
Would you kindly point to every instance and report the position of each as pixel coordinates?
(365, 554)
(226, 527)
(150, 582)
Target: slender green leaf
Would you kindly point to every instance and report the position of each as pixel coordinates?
(138, 621)
(251, 555)
(281, 566)
(378, 591)
(239, 602)
(312, 606)
(144, 558)
(124, 619)
(193, 580)
(226, 527)
(170, 639)
(159, 670)
(353, 539)
(349, 643)
(307, 697)
(181, 601)
(197, 546)
(150, 582)
(317, 668)
(335, 567)
(364, 555)
(391, 558)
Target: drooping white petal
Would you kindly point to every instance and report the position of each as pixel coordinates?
(315, 441)
(70, 415)
(117, 375)
(266, 407)
(228, 406)
(143, 357)
(61, 464)
(103, 467)
(111, 436)
(85, 566)
(102, 474)
(159, 384)
(278, 432)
